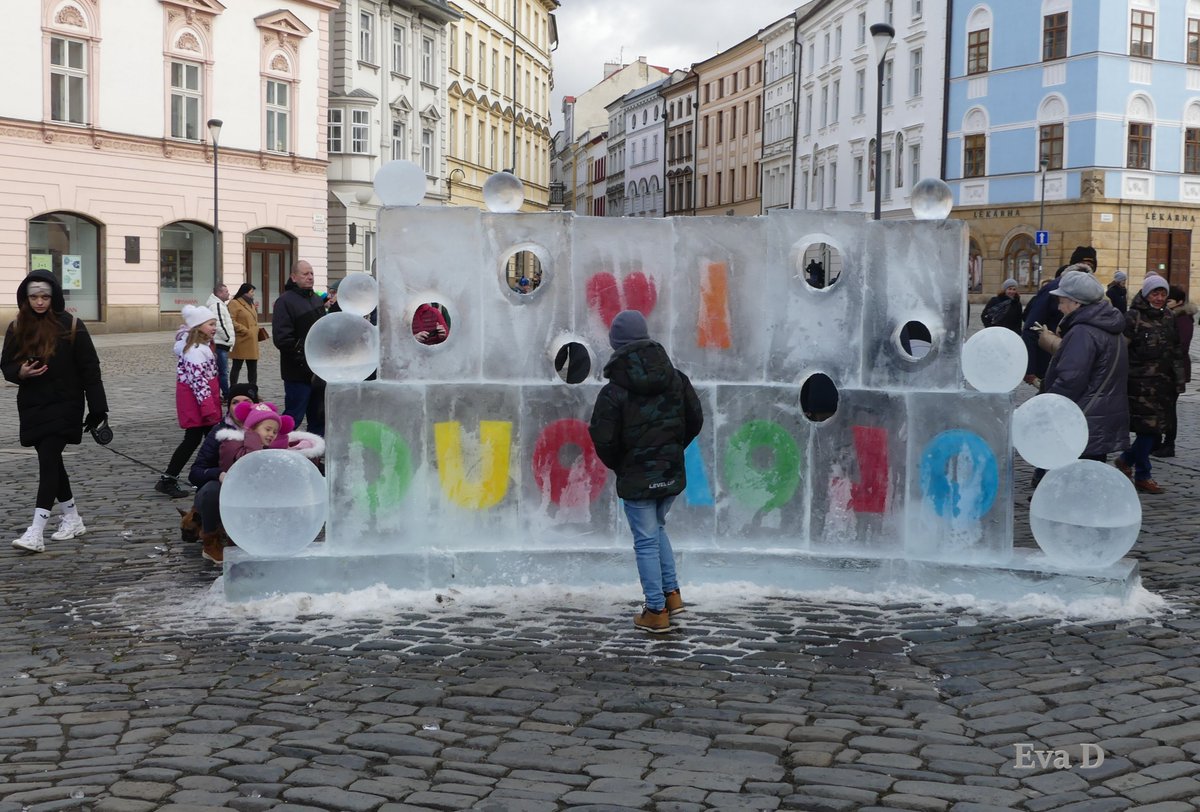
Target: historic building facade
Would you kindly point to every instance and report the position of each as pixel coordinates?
(645, 137)
(387, 101)
(499, 97)
(839, 89)
(779, 113)
(729, 130)
(679, 95)
(107, 154)
(1079, 119)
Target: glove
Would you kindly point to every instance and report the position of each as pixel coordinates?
(94, 419)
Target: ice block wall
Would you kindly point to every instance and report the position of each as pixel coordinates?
(478, 444)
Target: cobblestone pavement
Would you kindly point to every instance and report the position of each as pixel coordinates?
(124, 686)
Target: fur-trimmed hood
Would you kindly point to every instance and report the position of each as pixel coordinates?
(310, 445)
(1190, 308)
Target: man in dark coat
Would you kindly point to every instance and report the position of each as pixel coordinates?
(644, 418)
(1156, 373)
(293, 315)
(1116, 291)
(1091, 364)
(1043, 310)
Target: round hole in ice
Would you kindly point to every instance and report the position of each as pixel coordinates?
(819, 262)
(914, 340)
(573, 362)
(818, 397)
(431, 323)
(523, 271)
(1085, 515)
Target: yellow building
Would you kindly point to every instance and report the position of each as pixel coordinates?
(499, 101)
(729, 130)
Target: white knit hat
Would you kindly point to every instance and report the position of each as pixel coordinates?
(195, 316)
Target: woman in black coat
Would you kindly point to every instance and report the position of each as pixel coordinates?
(49, 355)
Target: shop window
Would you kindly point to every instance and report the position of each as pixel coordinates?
(68, 246)
(185, 265)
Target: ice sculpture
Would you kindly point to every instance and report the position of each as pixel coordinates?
(358, 293)
(469, 461)
(273, 502)
(1049, 431)
(1085, 515)
(342, 348)
(994, 360)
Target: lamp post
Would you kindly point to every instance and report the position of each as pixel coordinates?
(455, 173)
(881, 35)
(1042, 218)
(214, 131)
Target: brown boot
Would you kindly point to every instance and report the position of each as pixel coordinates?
(674, 602)
(652, 621)
(1149, 486)
(214, 547)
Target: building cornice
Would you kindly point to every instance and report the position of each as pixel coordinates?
(104, 140)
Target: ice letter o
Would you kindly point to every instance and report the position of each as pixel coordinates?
(273, 503)
(1085, 515)
(342, 348)
(959, 475)
(754, 487)
(1049, 431)
(994, 360)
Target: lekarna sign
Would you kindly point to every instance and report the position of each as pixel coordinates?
(1041, 238)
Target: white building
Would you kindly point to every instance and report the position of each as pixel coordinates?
(838, 87)
(107, 156)
(779, 121)
(387, 102)
(645, 141)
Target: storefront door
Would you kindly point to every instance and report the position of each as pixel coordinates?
(268, 272)
(1169, 254)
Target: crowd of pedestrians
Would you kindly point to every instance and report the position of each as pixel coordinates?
(1124, 363)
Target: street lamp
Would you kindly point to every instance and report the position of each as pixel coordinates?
(881, 35)
(1042, 219)
(214, 132)
(455, 173)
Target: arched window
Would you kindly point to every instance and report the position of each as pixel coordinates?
(68, 246)
(974, 267)
(1019, 259)
(186, 272)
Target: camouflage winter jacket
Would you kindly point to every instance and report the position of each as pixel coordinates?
(643, 420)
(1156, 365)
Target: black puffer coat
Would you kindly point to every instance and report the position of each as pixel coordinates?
(1091, 368)
(1156, 365)
(293, 315)
(51, 404)
(644, 418)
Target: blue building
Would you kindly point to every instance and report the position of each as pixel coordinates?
(1080, 116)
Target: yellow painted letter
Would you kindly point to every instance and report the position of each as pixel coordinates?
(487, 468)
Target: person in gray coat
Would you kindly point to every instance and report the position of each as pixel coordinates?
(1091, 365)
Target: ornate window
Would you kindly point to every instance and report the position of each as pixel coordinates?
(68, 80)
(280, 53)
(188, 27)
(279, 113)
(70, 33)
(187, 100)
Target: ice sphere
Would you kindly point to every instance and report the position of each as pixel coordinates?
(932, 199)
(273, 502)
(342, 348)
(400, 183)
(358, 294)
(1049, 431)
(1085, 515)
(503, 192)
(994, 360)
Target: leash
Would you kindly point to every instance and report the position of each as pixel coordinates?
(131, 459)
(103, 435)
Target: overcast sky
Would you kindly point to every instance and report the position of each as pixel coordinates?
(670, 33)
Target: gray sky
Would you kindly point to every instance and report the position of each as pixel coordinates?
(670, 33)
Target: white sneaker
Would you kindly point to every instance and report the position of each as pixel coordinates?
(30, 541)
(69, 528)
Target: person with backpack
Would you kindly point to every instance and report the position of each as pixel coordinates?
(49, 355)
(1004, 309)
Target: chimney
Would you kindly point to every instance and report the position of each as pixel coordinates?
(611, 67)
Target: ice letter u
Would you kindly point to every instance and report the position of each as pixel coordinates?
(489, 464)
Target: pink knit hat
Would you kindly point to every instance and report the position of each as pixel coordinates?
(251, 414)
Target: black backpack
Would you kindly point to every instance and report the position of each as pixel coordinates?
(995, 313)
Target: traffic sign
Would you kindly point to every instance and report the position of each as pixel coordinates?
(1042, 238)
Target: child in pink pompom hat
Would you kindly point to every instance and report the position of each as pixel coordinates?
(263, 428)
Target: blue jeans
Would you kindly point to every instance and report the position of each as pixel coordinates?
(299, 403)
(222, 354)
(655, 561)
(1138, 455)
